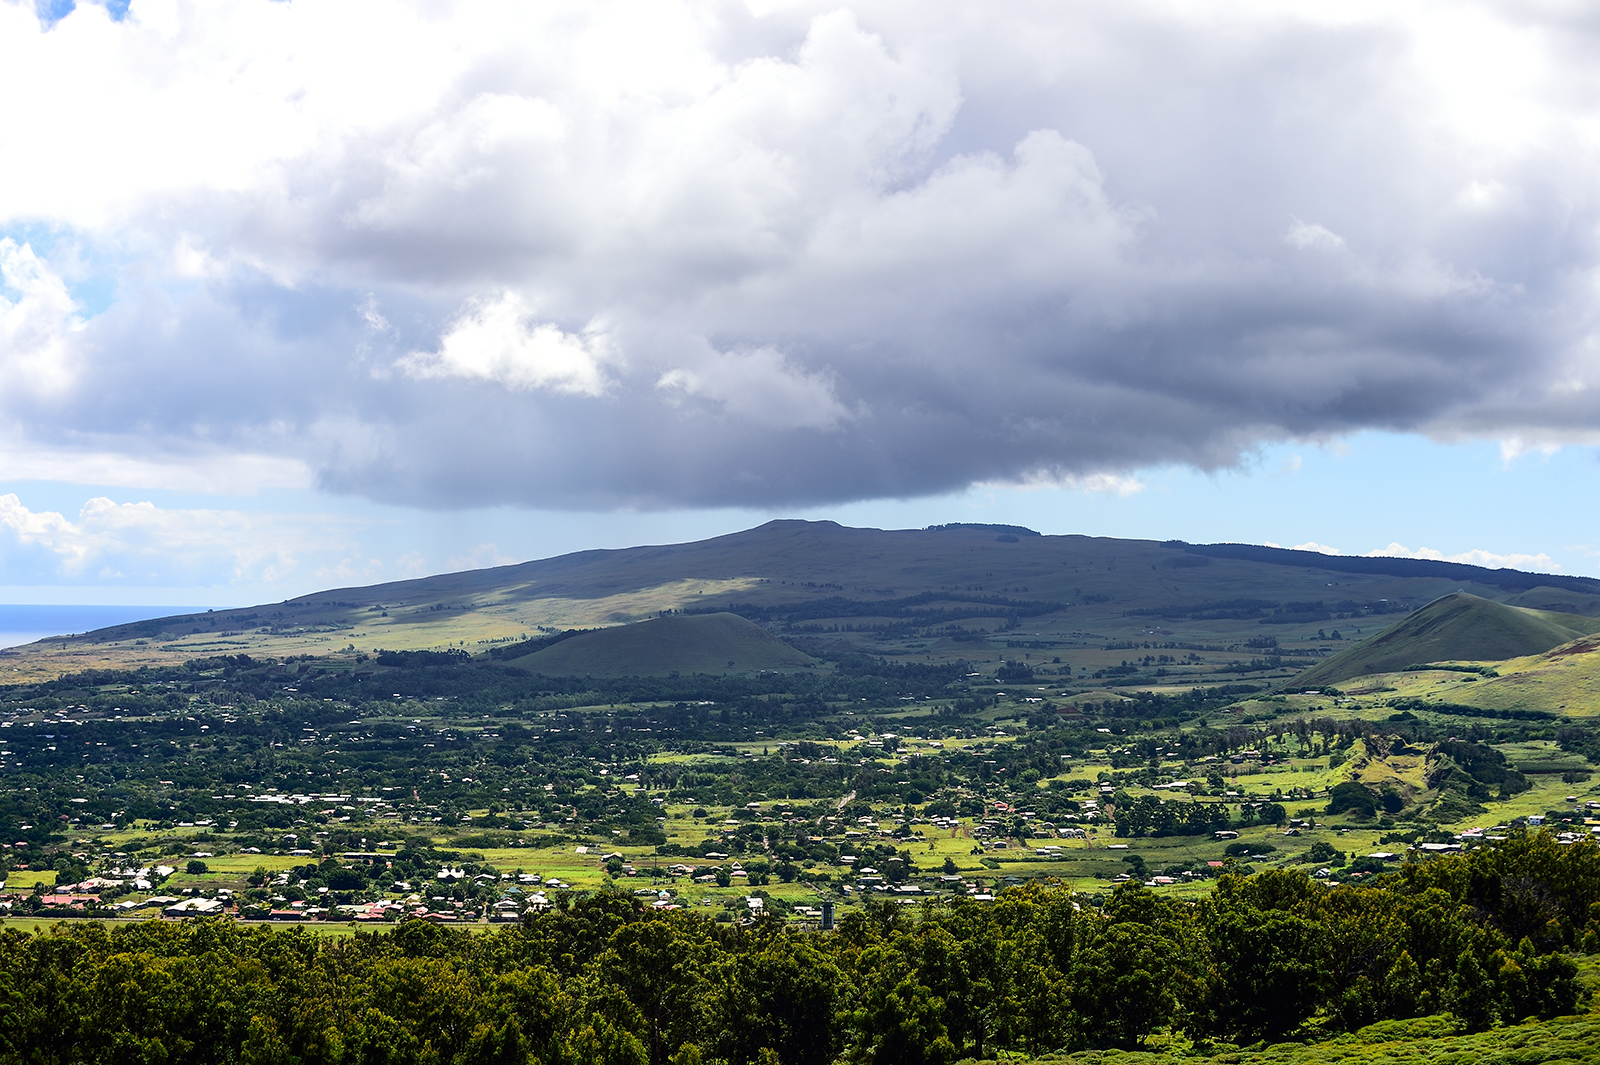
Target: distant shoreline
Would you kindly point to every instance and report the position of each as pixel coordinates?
(23, 623)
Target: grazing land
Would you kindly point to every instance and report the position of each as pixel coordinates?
(808, 749)
(696, 643)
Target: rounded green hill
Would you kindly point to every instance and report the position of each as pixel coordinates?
(693, 643)
(1453, 628)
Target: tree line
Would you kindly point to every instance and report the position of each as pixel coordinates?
(601, 980)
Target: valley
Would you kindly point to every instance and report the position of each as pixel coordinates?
(784, 743)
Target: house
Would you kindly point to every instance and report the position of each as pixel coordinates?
(97, 883)
(194, 908)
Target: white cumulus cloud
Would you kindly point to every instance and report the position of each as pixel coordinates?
(37, 324)
(139, 543)
(498, 340)
(1540, 563)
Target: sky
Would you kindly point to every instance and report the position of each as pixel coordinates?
(309, 293)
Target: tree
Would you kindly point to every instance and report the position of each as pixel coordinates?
(654, 963)
(1352, 797)
(781, 999)
(1265, 953)
(603, 1043)
(1122, 984)
(901, 1023)
(1323, 851)
(491, 1045)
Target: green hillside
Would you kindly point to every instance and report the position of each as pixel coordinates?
(1563, 682)
(1435, 1040)
(1106, 612)
(704, 643)
(1454, 628)
(1560, 600)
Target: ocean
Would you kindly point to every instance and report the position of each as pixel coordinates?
(24, 624)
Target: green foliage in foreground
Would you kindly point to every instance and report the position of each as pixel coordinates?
(1038, 971)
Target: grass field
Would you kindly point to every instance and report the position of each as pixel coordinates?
(26, 879)
(1564, 682)
(1422, 1041)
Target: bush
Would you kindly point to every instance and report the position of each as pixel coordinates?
(1352, 797)
(1323, 851)
(1013, 672)
(196, 867)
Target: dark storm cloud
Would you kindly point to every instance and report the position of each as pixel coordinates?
(668, 255)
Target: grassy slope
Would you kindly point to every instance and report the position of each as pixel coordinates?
(1559, 600)
(1104, 580)
(1564, 680)
(704, 643)
(1424, 1041)
(1453, 628)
